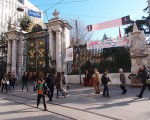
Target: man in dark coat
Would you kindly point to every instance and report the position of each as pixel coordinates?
(25, 79)
(143, 74)
(123, 82)
(50, 84)
(105, 79)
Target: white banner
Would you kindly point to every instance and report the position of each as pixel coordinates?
(112, 42)
(69, 54)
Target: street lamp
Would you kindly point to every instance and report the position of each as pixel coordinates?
(20, 9)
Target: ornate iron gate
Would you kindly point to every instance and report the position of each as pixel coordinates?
(36, 47)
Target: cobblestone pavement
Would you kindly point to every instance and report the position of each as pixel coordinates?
(81, 103)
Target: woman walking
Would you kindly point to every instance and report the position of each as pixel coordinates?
(4, 83)
(58, 85)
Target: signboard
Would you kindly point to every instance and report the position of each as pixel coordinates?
(112, 42)
(34, 13)
(21, 1)
(69, 54)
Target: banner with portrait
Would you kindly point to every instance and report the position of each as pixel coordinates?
(69, 54)
(108, 43)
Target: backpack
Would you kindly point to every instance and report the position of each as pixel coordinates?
(63, 80)
(148, 74)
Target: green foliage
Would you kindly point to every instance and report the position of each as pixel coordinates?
(24, 23)
(142, 24)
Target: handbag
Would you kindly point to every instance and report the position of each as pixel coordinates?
(148, 81)
(7, 82)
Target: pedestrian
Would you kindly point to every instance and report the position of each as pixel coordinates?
(64, 82)
(105, 79)
(123, 82)
(8, 81)
(50, 84)
(34, 79)
(87, 78)
(4, 83)
(12, 82)
(41, 75)
(42, 91)
(25, 79)
(0, 79)
(58, 85)
(144, 75)
(96, 81)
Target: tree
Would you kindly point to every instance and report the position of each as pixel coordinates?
(24, 23)
(79, 34)
(142, 24)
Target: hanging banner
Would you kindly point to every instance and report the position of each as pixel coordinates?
(109, 24)
(69, 54)
(34, 14)
(112, 42)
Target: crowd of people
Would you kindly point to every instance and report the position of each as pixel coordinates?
(45, 85)
(8, 82)
(143, 73)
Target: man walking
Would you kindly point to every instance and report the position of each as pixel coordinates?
(144, 75)
(123, 82)
(96, 81)
(105, 79)
(25, 79)
(50, 84)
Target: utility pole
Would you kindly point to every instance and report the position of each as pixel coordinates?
(77, 40)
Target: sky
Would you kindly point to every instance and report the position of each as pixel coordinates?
(94, 11)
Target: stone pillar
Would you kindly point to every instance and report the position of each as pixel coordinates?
(14, 55)
(19, 55)
(58, 52)
(9, 56)
(58, 46)
(66, 44)
(51, 44)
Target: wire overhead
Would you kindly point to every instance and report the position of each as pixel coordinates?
(63, 3)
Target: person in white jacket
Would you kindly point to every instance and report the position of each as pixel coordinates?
(64, 82)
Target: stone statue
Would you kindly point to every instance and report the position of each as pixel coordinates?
(137, 46)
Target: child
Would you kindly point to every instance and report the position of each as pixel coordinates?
(42, 91)
(105, 79)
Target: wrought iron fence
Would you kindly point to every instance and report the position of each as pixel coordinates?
(108, 58)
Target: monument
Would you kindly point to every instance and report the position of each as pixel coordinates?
(139, 52)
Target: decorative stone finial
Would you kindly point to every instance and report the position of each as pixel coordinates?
(135, 28)
(56, 13)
